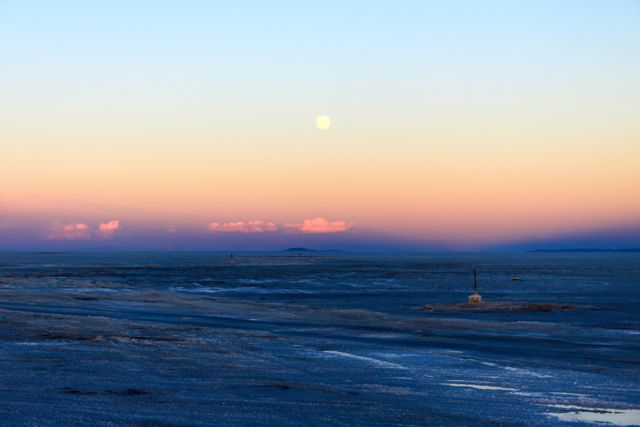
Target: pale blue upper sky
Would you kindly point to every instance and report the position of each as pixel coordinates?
(331, 51)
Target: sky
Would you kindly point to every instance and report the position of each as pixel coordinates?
(192, 124)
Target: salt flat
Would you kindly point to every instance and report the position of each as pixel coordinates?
(338, 339)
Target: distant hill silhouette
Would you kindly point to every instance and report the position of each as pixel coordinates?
(310, 250)
(587, 250)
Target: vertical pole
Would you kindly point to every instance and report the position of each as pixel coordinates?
(475, 281)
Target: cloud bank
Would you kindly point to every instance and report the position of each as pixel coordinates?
(242, 227)
(320, 226)
(81, 231)
(107, 229)
(72, 232)
(308, 226)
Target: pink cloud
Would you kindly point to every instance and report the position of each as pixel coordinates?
(172, 229)
(71, 232)
(108, 228)
(321, 225)
(242, 227)
(70, 228)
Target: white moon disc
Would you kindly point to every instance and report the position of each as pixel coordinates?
(323, 122)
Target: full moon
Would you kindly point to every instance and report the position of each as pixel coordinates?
(323, 122)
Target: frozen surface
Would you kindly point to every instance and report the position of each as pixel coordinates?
(185, 339)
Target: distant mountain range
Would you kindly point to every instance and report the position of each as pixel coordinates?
(587, 250)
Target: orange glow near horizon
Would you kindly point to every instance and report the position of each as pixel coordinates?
(486, 140)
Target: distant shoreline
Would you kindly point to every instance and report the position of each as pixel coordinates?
(307, 251)
(310, 250)
(632, 250)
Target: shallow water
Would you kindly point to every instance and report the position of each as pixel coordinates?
(338, 339)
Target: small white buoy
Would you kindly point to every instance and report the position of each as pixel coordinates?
(475, 298)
